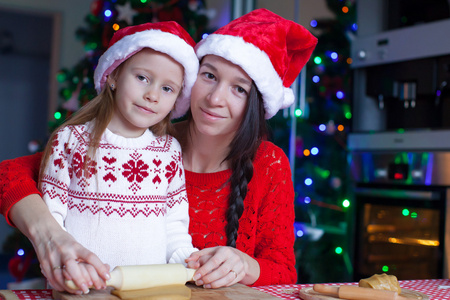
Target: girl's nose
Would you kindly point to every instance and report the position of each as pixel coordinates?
(152, 94)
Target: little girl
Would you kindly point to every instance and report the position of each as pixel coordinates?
(111, 175)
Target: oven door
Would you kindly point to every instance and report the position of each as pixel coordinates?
(399, 230)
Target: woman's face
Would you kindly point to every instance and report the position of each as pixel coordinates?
(219, 97)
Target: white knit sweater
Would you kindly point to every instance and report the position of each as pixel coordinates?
(130, 205)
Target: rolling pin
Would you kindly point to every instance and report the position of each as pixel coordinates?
(126, 278)
(356, 293)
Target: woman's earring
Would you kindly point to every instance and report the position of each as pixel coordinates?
(112, 87)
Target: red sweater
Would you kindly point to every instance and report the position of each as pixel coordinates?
(265, 229)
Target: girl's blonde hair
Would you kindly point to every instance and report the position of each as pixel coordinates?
(101, 108)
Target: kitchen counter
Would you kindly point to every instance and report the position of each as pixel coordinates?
(431, 287)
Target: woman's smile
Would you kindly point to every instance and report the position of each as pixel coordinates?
(211, 115)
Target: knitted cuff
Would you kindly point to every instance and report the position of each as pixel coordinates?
(179, 255)
(16, 194)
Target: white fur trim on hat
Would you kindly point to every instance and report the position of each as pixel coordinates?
(158, 40)
(256, 63)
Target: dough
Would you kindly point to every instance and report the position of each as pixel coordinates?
(381, 282)
(169, 292)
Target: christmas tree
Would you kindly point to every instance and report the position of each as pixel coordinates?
(77, 86)
(321, 182)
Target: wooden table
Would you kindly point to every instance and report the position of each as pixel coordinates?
(430, 287)
(235, 292)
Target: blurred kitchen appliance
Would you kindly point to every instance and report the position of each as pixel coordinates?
(401, 71)
(400, 140)
(401, 203)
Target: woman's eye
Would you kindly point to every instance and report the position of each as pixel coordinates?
(241, 90)
(209, 75)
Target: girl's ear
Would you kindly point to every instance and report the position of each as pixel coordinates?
(111, 82)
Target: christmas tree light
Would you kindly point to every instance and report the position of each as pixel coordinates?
(346, 203)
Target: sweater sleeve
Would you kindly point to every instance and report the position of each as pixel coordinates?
(275, 237)
(18, 179)
(56, 178)
(179, 242)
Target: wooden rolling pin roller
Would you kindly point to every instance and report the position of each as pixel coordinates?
(357, 293)
(126, 278)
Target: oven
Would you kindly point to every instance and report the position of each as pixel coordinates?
(401, 206)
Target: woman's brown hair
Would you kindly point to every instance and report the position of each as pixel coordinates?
(243, 147)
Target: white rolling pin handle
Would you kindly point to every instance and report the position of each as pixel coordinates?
(190, 274)
(71, 285)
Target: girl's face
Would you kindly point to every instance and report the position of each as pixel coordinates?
(219, 97)
(146, 88)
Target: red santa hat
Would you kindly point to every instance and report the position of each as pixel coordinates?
(269, 48)
(166, 37)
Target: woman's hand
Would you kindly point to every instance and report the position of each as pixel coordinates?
(63, 258)
(58, 252)
(223, 266)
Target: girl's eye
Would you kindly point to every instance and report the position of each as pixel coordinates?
(141, 78)
(167, 89)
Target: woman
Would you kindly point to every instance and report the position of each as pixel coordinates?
(239, 186)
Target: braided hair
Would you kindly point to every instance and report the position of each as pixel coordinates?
(243, 148)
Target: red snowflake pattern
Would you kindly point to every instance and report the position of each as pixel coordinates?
(172, 170)
(58, 163)
(78, 166)
(67, 150)
(135, 170)
(55, 143)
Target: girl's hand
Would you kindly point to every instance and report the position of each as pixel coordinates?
(62, 258)
(87, 270)
(223, 266)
